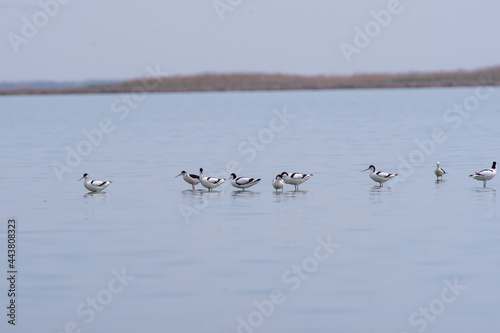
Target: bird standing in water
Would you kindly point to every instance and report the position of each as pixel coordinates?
(94, 185)
(190, 178)
(439, 171)
(486, 174)
(278, 183)
(380, 176)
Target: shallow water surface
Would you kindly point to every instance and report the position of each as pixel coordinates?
(340, 255)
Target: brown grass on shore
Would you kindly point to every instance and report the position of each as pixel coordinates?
(258, 81)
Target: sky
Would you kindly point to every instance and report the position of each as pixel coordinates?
(75, 40)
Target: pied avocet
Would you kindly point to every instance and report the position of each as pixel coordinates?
(190, 178)
(94, 185)
(243, 182)
(486, 174)
(439, 171)
(278, 183)
(295, 178)
(210, 182)
(379, 176)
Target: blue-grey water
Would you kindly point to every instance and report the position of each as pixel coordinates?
(340, 255)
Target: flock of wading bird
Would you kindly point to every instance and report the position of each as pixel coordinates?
(279, 182)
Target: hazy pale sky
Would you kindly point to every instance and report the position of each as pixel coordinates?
(119, 39)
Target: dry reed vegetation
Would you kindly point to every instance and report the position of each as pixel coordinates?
(256, 81)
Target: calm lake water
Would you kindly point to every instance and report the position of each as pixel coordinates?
(340, 255)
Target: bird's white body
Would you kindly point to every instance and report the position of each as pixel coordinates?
(243, 182)
(380, 176)
(210, 182)
(486, 174)
(94, 185)
(190, 178)
(278, 183)
(295, 178)
(439, 172)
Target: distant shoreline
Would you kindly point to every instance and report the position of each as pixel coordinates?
(274, 82)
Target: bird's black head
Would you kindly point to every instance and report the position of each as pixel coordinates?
(182, 173)
(372, 167)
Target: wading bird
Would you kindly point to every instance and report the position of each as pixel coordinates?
(486, 174)
(380, 176)
(94, 185)
(295, 178)
(242, 182)
(278, 183)
(210, 182)
(439, 172)
(190, 178)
